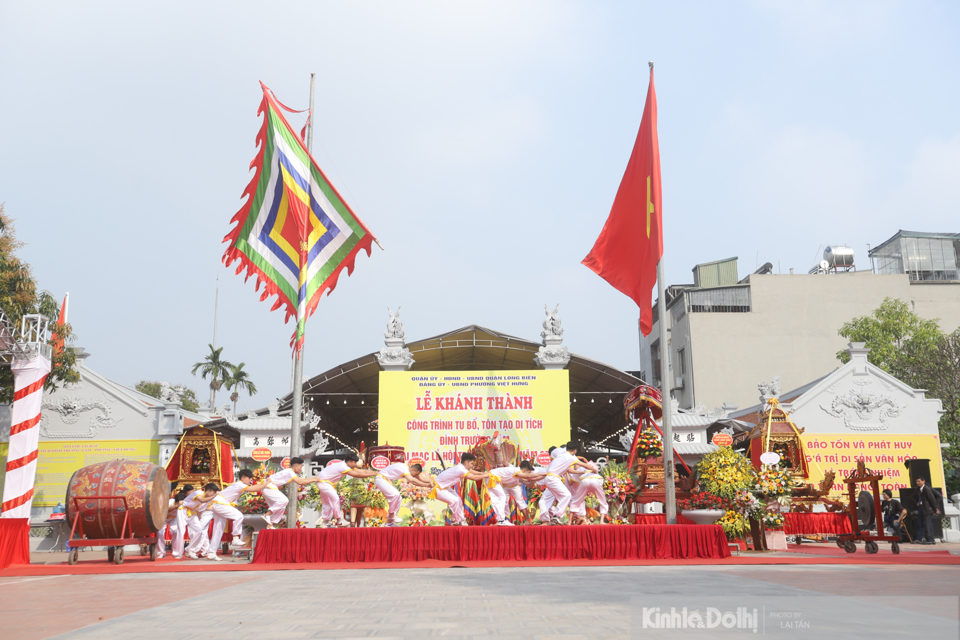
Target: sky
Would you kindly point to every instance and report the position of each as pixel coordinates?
(481, 142)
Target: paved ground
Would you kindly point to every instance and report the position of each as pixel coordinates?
(536, 603)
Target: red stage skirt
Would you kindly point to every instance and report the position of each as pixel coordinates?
(14, 541)
(814, 523)
(465, 544)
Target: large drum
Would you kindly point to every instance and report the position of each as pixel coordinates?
(384, 455)
(147, 492)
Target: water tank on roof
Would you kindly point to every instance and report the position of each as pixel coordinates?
(838, 256)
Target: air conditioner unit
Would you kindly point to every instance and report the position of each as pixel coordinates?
(679, 383)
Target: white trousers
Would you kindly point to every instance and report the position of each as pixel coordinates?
(198, 525)
(276, 504)
(331, 502)
(517, 494)
(177, 525)
(590, 486)
(560, 493)
(454, 502)
(498, 500)
(546, 501)
(394, 499)
(222, 513)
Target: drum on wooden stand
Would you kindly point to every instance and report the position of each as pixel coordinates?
(145, 490)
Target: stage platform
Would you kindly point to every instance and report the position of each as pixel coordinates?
(490, 544)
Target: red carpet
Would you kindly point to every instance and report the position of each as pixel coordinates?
(496, 544)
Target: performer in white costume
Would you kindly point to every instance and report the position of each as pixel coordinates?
(331, 515)
(591, 483)
(384, 482)
(504, 480)
(196, 505)
(274, 496)
(224, 508)
(559, 466)
(446, 479)
(546, 498)
(176, 523)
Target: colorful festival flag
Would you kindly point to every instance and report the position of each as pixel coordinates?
(631, 243)
(294, 233)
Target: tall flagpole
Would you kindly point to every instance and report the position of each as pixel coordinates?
(668, 467)
(297, 409)
(670, 506)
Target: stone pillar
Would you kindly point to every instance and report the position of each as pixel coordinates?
(169, 431)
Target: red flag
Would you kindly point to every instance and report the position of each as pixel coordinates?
(61, 320)
(631, 243)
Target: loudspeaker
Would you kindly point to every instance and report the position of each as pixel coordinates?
(918, 468)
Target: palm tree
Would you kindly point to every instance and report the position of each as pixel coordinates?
(216, 368)
(236, 380)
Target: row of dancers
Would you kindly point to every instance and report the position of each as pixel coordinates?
(566, 482)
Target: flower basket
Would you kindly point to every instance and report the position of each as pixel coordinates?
(724, 472)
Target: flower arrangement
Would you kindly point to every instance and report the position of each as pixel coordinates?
(617, 485)
(733, 523)
(373, 522)
(703, 500)
(417, 520)
(360, 491)
(410, 491)
(251, 503)
(619, 519)
(773, 521)
(749, 505)
(724, 472)
(771, 482)
(649, 444)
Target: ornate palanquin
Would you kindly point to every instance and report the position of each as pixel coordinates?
(202, 456)
(776, 432)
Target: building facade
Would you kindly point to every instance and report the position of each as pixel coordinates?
(725, 332)
(94, 420)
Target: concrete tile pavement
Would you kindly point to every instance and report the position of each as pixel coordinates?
(536, 603)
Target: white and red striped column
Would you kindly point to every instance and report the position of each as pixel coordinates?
(28, 378)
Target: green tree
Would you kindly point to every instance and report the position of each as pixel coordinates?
(188, 399)
(216, 368)
(238, 380)
(915, 351)
(18, 297)
(937, 369)
(891, 332)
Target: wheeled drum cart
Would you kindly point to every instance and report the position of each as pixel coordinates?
(114, 545)
(848, 541)
(117, 503)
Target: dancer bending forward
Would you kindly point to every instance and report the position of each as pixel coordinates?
(331, 515)
(447, 479)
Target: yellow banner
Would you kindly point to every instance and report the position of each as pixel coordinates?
(57, 461)
(884, 454)
(442, 411)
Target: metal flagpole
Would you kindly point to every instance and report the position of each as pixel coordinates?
(297, 409)
(671, 497)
